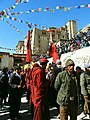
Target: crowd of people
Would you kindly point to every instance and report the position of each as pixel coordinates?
(45, 85)
(49, 84)
(81, 40)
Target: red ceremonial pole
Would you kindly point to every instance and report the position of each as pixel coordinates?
(28, 45)
(53, 51)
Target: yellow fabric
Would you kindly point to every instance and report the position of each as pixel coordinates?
(26, 66)
(1, 56)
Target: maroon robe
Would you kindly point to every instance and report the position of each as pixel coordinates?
(40, 93)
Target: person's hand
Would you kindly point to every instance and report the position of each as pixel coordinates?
(86, 97)
(86, 109)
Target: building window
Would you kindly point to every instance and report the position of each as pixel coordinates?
(43, 33)
(58, 36)
(39, 37)
(62, 36)
(39, 41)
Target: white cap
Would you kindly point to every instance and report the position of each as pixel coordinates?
(58, 61)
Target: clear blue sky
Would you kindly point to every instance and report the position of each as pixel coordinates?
(9, 37)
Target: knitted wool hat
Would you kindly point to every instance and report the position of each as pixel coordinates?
(69, 62)
(58, 62)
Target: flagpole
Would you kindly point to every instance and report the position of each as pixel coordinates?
(53, 51)
(28, 45)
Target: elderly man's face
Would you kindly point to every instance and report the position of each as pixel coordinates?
(70, 68)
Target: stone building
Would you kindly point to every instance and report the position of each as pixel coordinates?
(39, 39)
(71, 27)
(20, 47)
(6, 60)
(19, 59)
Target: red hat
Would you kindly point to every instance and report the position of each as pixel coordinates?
(43, 60)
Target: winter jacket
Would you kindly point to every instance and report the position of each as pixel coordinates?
(66, 86)
(85, 83)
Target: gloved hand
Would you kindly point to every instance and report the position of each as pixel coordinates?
(86, 109)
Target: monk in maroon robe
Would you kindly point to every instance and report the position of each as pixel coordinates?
(40, 91)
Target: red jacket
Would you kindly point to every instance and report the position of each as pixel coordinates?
(39, 85)
(28, 79)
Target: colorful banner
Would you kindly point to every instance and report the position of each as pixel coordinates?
(17, 2)
(50, 10)
(7, 14)
(30, 25)
(7, 49)
(1, 18)
(3, 12)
